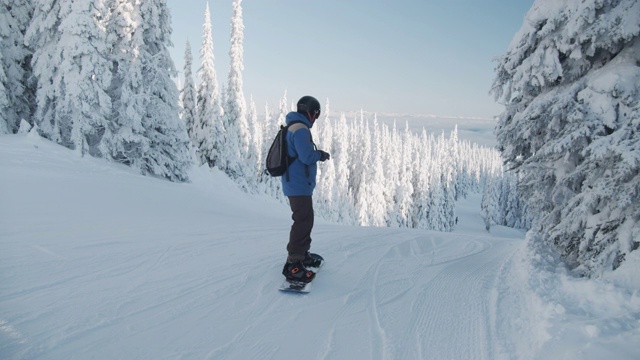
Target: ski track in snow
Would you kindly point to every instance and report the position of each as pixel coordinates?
(194, 275)
(407, 281)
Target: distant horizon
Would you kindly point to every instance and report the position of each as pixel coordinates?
(430, 116)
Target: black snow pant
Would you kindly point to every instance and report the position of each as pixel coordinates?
(300, 235)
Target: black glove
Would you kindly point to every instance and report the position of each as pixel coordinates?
(324, 155)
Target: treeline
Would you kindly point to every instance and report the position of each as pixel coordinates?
(381, 175)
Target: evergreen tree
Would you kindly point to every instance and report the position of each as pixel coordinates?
(266, 139)
(422, 190)
(571, 84)
(16, 92)
(124, 137)
(71, 65)
(465, 181)
(391, 154)
(456, 164)
(326, 172)
(490, 204)
(361, 140)
(146, 132)
(180, 107)
(238, 144)
(257, 144)
(343, 194)
(168, 155)
(443, 206)
(363, 202)
(209, 130)
(187, 95)
(4, 104)
(404, 189)
(515, 211)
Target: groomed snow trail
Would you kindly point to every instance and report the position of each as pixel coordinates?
(100, 263)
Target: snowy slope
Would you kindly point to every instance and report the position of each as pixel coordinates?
(97, 262)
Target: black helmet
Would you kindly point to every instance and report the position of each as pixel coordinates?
(308, 104)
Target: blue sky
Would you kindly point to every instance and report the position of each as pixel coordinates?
(407, 56)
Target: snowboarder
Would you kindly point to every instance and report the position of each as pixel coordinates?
(298, 186)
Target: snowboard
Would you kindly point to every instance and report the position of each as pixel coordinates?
(299, 286)
(295, 287)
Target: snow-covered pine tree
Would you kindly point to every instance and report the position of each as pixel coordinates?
(209, 129)
(363, 203)
(257, 143)
(327, 170)
(168, 153)
(188, 94)
(422, 186)
(514, 209)
(375, 193)
(360, 138)
(343, 195)
(146, 132)
(180, 108)
(443, 202)
(43, 36)
(71, 65)
(4, 104)
(404, 188)
(490, 204)
(468, 179)
(571, 83)
(391, 154)
(459, 185)
(238, 145)
(16, 92)
(124, 136)
(266, 135)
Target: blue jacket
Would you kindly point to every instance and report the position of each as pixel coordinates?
(300, 144)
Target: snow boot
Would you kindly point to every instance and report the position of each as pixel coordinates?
(312, 260)
(295, 271)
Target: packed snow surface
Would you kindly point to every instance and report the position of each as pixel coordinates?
(97, 262)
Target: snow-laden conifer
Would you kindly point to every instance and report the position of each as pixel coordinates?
(257, 143)
(124, 136)
(361, 150)
(209, 130)
(238, 141)
(571, 83)
(264, 123)
(4, 104)
(327, 171)
(146, 132)
(390, 157)
(168, 155)
(422, 190)
(341, 155)
(70, 63)
(16, 90)
(188, 94)
(404, 188)
(374, 194)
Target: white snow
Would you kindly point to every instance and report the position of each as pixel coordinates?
(97, 262)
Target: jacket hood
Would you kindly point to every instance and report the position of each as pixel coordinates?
(296, 116)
